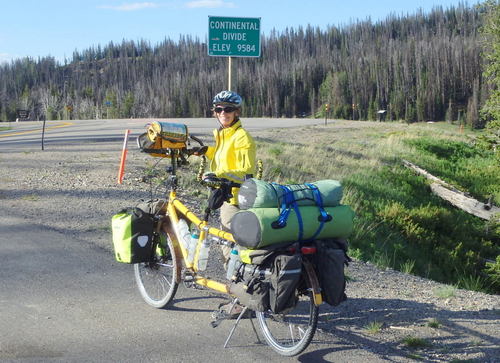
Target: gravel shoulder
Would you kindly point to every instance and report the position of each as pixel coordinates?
(398, 317)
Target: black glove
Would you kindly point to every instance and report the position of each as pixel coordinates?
(199, 151)
(207, 177)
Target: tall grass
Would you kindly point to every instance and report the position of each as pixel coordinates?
(399, 222)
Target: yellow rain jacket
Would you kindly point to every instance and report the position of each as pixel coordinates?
(233, 156)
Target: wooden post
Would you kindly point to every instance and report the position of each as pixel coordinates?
(43, 132)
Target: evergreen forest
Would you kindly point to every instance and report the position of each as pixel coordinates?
(418, 67)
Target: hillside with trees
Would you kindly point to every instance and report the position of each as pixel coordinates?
(425, 66)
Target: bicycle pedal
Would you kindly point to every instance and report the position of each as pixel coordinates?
(218, 317)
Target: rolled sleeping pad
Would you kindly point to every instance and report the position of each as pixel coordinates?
(252, 228)
(256, 193)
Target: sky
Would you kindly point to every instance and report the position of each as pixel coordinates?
(40, 28)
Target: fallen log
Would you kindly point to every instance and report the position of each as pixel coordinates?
(456, 197)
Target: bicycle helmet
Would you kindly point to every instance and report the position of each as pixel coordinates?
(227, 98)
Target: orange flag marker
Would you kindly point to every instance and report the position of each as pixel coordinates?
(121, 170)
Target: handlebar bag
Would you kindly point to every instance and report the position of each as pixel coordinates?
(132, 230)
(255, 193)
(160, 137)
(254, 228)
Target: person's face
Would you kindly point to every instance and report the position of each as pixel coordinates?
(226, 114)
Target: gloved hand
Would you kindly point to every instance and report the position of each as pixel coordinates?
(207, 177)
(199, 151)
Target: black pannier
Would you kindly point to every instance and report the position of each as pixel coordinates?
(285, 277)
(270, 285)
(330, 260)
(251, 286)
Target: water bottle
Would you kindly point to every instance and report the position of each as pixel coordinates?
(203, 256)
(195, 234)
(183, 233)
(234, 262)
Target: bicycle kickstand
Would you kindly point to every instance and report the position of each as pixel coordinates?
(236, 324)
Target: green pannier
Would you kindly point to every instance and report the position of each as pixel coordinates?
(255, 228)
(133, 231)
(256, 193)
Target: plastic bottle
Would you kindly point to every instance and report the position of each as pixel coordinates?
(232, 265)
(183, 232)
(195, 234)
(203, 256)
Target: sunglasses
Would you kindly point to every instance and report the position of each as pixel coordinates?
(226, 109)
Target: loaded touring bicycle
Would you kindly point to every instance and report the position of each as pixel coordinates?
(288, 247)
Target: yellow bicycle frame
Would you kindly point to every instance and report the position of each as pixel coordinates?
(174, 207)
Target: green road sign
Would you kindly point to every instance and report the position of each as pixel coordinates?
(233, 37)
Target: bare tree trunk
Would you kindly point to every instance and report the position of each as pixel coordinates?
(457, 198)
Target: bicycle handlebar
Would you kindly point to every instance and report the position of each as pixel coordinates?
(215, 182)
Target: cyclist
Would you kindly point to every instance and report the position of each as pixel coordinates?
(233, 156)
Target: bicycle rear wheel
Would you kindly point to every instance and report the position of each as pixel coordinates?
(157, 280)
(291, 332)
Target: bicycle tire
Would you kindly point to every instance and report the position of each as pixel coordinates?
(157, 280)
(279, 329)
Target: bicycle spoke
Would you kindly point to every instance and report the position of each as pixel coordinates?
(289, 334)
(157, 279)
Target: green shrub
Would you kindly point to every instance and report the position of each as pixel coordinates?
(415, 342)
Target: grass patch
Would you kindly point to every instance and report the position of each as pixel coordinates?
(415, 342)
(276, 150)
(30, 197)
(374, 327)
(445, 292)
(407, 266)
(434, 323)
(475, 283)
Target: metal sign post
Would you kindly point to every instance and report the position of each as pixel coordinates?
(229, 73)
(233, 37)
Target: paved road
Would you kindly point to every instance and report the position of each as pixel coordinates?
(29, 134)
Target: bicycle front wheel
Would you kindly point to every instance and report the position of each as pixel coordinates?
(157, 280)
(291, 332)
